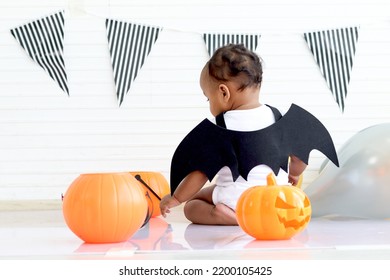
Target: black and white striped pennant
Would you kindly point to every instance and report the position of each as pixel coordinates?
(129, 45)
(215, 41)
(334, 52)
(43, 40)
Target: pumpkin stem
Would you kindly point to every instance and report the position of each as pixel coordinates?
(271, 180)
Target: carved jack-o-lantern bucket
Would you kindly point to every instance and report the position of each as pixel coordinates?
(273, 211)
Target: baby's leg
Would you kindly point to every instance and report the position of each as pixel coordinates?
(201, 210)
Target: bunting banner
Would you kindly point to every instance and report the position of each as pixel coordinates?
(42, 39)
(129, 45)
(334, 52)
(215, 41)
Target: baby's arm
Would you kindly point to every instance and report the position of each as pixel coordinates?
(296, 168)
(191, 185)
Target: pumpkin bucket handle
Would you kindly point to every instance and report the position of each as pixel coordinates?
(138, 177)
(149, 213)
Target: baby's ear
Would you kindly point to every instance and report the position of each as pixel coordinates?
(224, 90)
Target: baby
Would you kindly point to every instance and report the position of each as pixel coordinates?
(231, 82)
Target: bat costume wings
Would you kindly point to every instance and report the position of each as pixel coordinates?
(209, 147)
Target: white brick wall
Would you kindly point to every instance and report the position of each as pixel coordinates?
(47, 138)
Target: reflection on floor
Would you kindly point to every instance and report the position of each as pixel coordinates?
(44, 235)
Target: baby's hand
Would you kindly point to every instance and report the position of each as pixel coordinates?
(166, 203)
(293, 180)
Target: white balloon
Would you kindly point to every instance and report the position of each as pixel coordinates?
(360, 187)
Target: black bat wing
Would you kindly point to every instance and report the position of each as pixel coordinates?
(208, 147)
(302, 132)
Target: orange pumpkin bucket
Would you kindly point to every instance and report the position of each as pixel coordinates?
(105, 207)
(273, 212)
(155, 184)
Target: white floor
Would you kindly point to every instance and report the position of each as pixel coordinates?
(43, 234)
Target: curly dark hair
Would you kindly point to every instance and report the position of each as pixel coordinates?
(236, 62)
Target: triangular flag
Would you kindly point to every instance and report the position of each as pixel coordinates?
(215, 41)
(129, 45)
(43, 40)
(334, 51)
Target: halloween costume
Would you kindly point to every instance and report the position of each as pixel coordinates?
(227, 191)
(209, 147)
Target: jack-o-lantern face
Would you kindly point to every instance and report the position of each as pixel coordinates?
(293, 211)
(272, 211)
